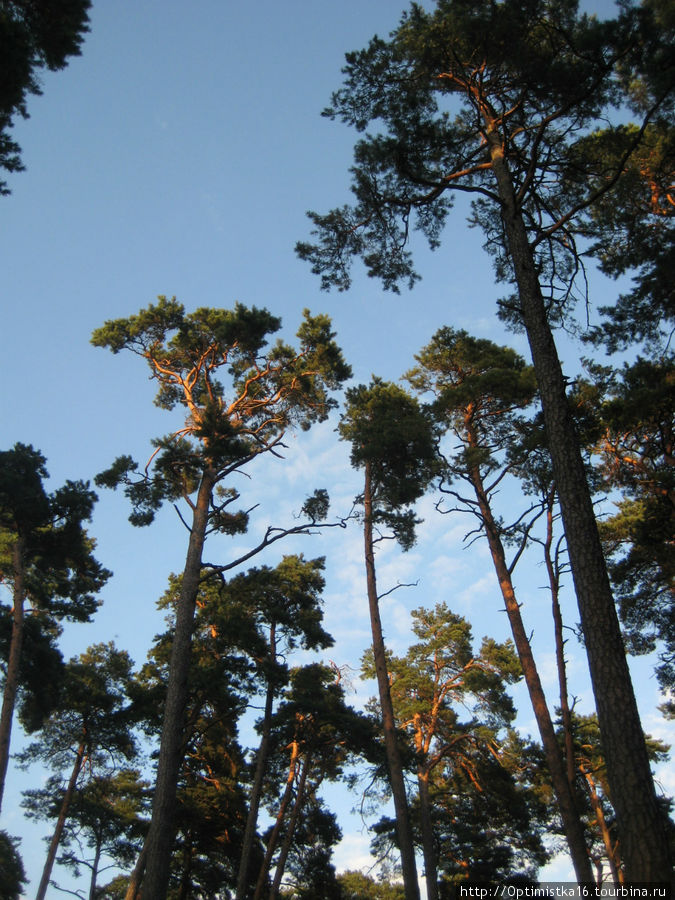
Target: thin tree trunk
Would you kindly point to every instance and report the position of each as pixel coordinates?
(159, 841)
(274, 836)
(396, 780)
(94, 870)
(60, 822)
(641, 824)
(429, 849)
(185, 889)
(610, 849)
(554, 585)
(257, 786)
(288, 838)
(13, 663)
(574, 831)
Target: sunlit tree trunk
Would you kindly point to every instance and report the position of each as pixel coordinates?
(610, 849)
(276, 831)
(288, 838)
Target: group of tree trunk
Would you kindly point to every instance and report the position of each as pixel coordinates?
(525, 107)
(510, 102)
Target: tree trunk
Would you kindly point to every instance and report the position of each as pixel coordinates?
(573, 828)
(641, 824)
(136, 877)
(554, 585)
(396, 780)
(159, 840)
(610, 850)
(94, 871)
(288, 838)
(60, 822)
(14, 662)
(429, 849)
(257, 786)
(274, 836)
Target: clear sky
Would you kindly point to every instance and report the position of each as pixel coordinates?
(177, 156)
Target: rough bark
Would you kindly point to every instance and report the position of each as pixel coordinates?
(13, 663)
(60, 822)
(160, 836)
(574, 832)
(257, 786)
(642, 828)
(396, 780)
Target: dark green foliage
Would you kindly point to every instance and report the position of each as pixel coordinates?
(491, 822)
(286, 598)
(633, 232)
(634, 407)
(210, 801)
(12, 874)
(389, 433)
(34, 35)
(309, 862)
(105, 818)
(88, 734)
(61, 575)
(231, 661)
(357, 886)
(315, 713)
(93, 710)
(593, 791)
(41, 666)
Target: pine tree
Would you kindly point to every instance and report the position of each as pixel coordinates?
(47, 562)
(227, 424)
(392, 443)
(491, 99)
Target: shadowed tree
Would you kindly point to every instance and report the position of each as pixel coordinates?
(636, 453)
(12, 875)
(90, 730)
(34, 35)
(491, 99)
(239, 398)
(47, 562)
(315, 734)
(275, 610)
(105, 823)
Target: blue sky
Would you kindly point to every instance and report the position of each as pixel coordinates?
(177, 156)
